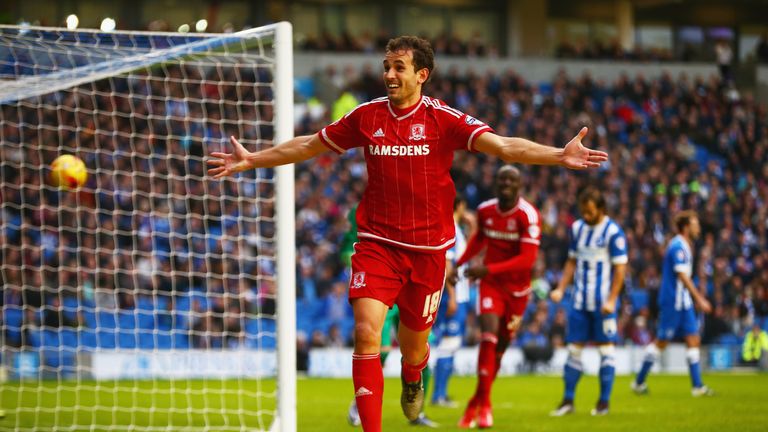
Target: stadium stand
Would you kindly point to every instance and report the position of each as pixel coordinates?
(675, 142)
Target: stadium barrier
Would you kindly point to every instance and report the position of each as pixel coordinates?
(333, 362)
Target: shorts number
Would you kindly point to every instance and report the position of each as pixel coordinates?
(431, 302)
(609, 326)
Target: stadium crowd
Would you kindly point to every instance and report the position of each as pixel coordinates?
(152, 232)
(675, 143)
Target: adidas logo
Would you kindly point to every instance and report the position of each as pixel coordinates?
(362, 391)
(379, 133)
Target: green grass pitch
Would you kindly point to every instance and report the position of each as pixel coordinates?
(521, 403)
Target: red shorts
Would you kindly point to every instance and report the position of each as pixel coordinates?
(497, 300)
(413, 280)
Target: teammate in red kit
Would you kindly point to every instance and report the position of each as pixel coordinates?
(510, 229)
(405, 221)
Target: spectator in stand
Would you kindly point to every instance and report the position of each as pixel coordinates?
(755, 346)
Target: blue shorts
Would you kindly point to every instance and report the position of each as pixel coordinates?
(591, 326)
(453, 325)
(676, 323)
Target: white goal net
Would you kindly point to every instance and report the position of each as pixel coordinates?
(152, 297)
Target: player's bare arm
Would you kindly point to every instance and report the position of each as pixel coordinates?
(700, 300)
(520, 150)
(609, 305)
(570, 268)
(295, 150)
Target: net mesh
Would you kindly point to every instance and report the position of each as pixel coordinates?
(146, 298)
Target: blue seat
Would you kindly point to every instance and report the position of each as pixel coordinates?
(13, 317)
(147, 340)
(261, 333)
(50, 339)
(164, 340)
(728, 339)
(106, 338)
(127, 339)
(180, 340)
(90, 318)
(35, 337)
(88, 340)
(145, 319)
(183, 303)
(106, 320)
(145, 303)
(126, 320)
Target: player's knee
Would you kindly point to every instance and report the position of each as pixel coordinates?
(367, 336)
(607, 350)
(574, 352)
(651, 352)
(693, 355)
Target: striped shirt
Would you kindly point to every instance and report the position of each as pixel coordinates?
(596, 249)
(677, 259)
(462, 284)
(408, 201)
(503, 232)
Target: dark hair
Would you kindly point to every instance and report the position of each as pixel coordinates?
(683, 219)
(423, 56)
(592, 194)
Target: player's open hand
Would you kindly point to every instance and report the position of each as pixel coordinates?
(226, 164)
(576, 156)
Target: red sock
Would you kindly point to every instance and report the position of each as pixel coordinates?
(486, 367)
(412, 373)
(368, 378)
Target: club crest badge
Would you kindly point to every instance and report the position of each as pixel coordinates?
(417, 132)
(358, 280)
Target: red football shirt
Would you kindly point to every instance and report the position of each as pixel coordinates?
(409, 198)
(512, 238)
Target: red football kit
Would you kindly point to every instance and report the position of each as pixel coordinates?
(512, 239)
(405, 218)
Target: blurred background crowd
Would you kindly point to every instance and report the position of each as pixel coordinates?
(674, 143)
(160, 246)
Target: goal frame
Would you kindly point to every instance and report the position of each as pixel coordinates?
(285, 418)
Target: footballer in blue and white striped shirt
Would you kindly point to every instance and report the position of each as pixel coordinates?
(597, 261)
(677, 295)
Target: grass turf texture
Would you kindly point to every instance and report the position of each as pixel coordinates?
(521, 403)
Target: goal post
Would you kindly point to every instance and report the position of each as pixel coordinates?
(153, 297)
(286, 232)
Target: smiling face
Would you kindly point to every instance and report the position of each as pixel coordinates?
(402, 81)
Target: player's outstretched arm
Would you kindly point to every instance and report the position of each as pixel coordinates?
(520, 150)
(295, 150)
